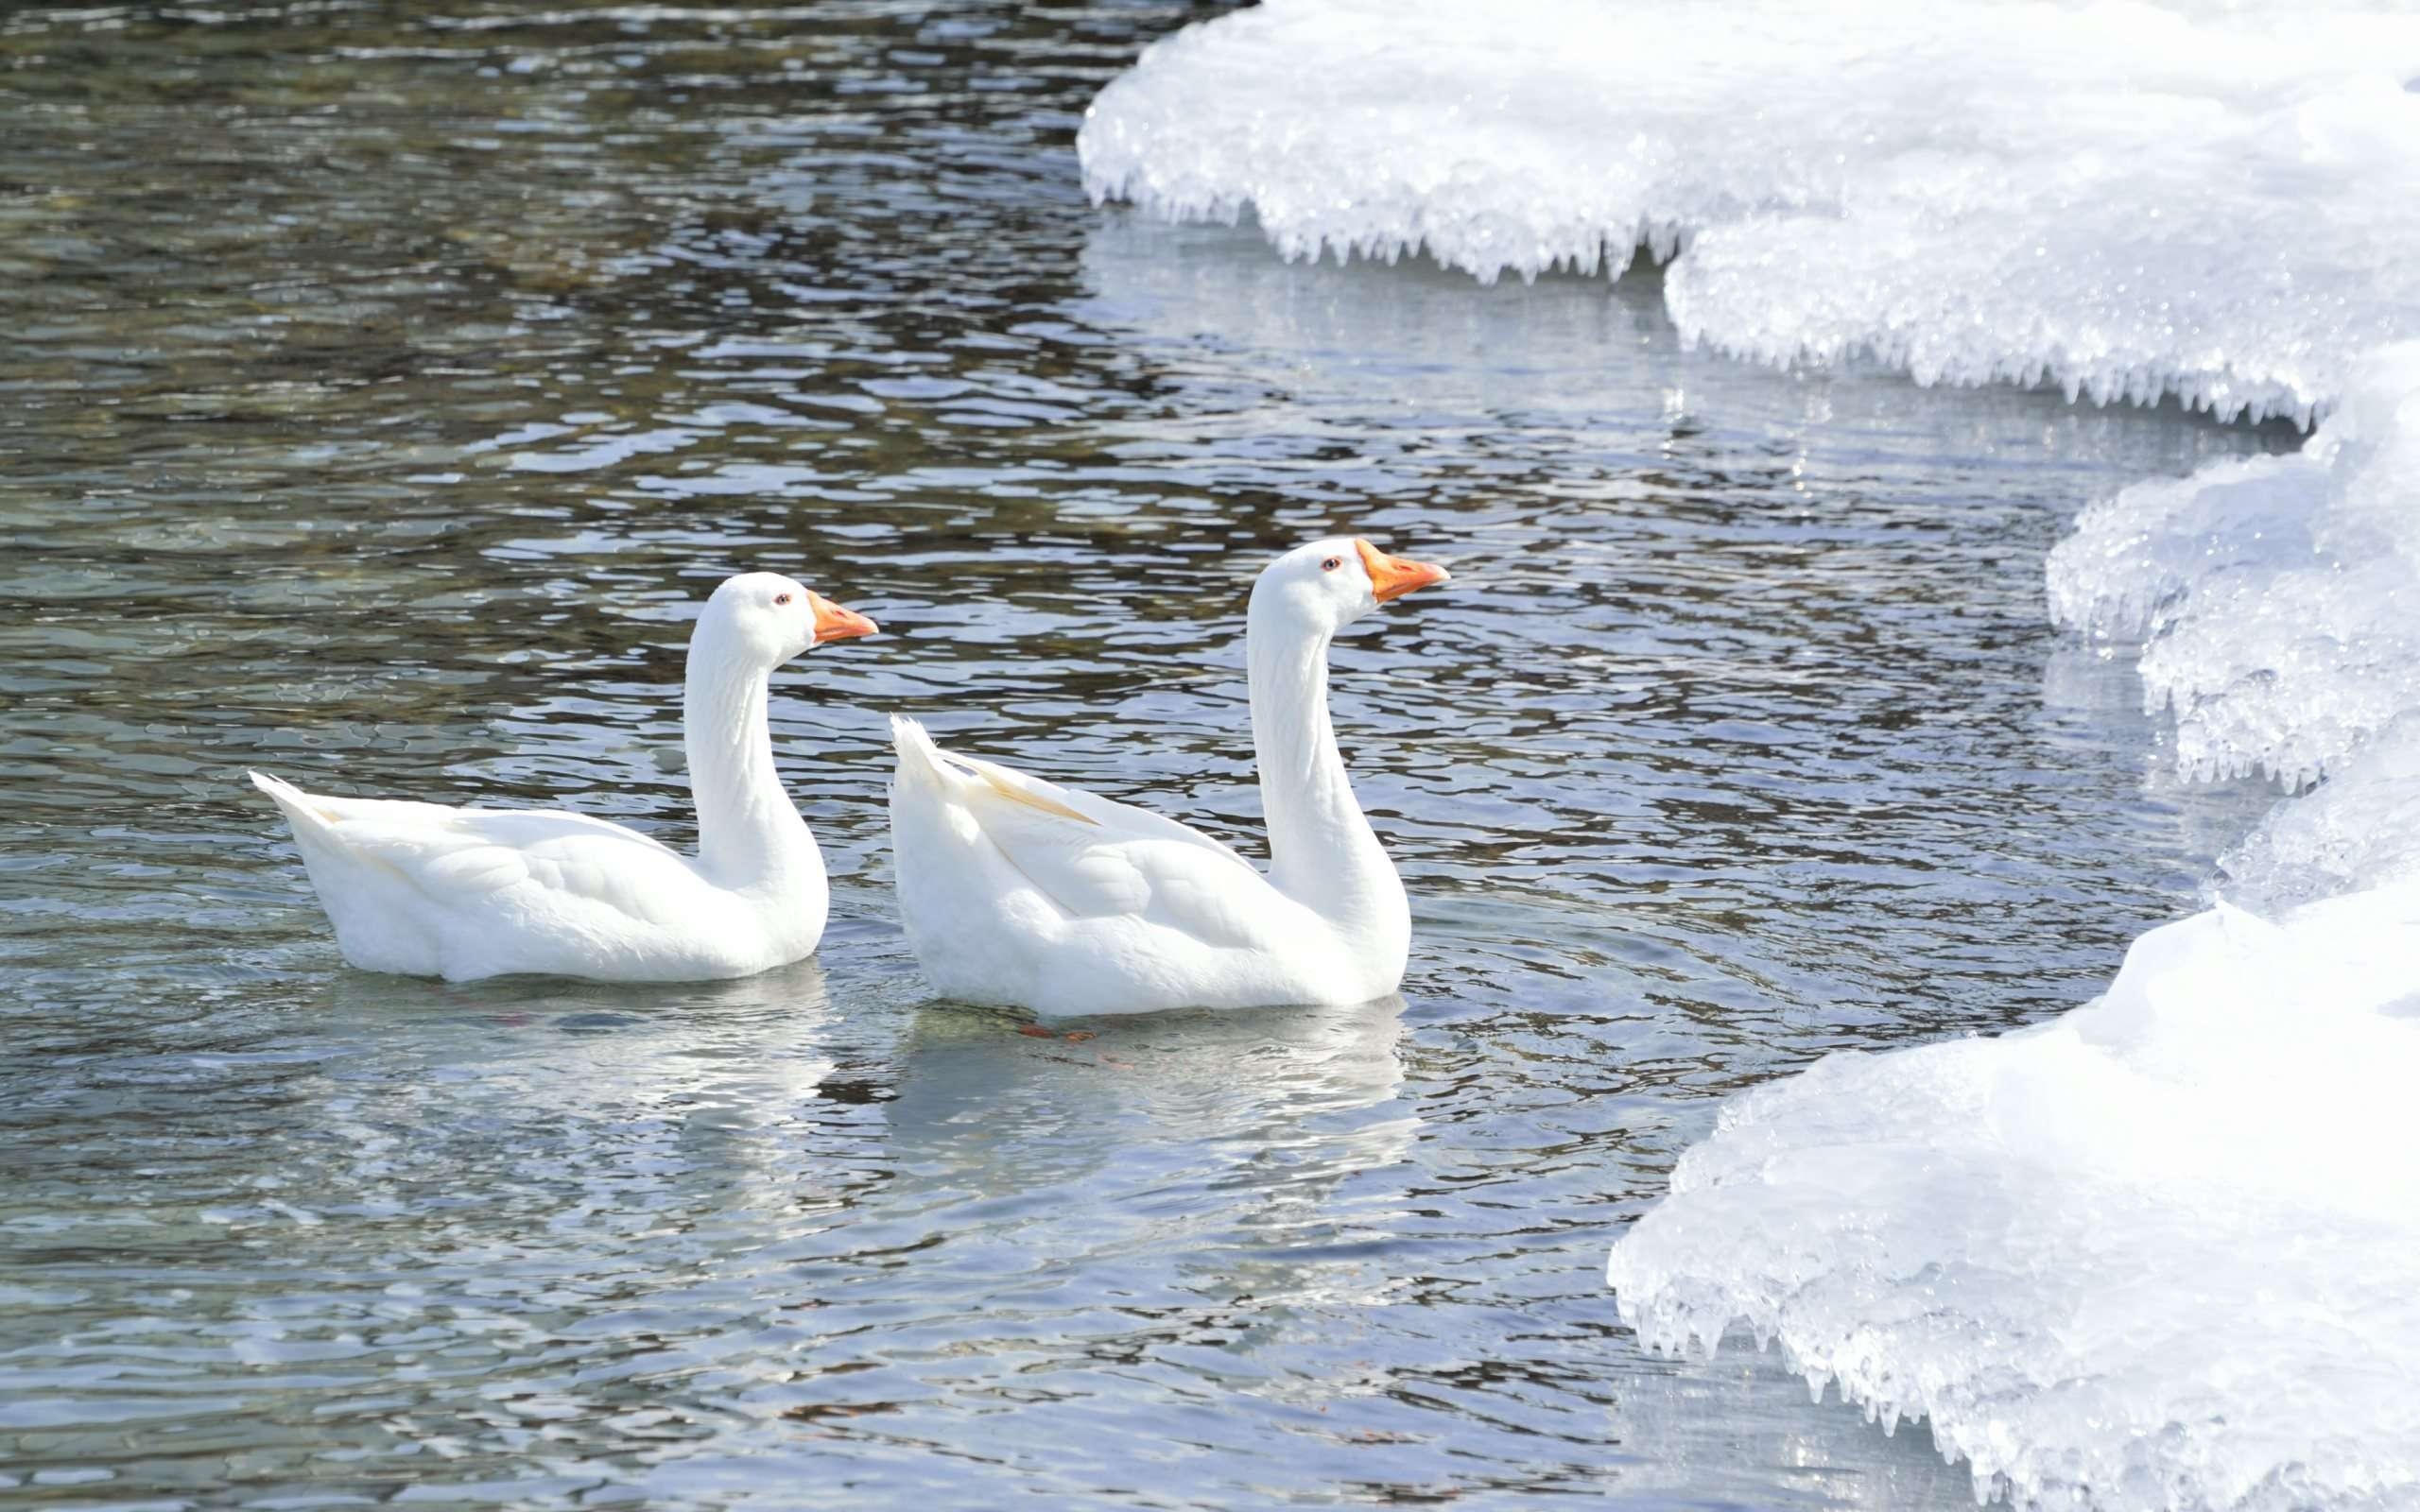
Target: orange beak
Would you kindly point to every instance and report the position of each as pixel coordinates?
(833, 623)
(1393, 577)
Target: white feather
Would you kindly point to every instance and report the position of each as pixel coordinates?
(1017, 891)
(425, 889)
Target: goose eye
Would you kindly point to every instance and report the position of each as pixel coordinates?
(1331, 564)
(781, 599)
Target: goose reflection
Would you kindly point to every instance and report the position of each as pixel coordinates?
(1192, 1152)
(616, 1111)
(559, 1184)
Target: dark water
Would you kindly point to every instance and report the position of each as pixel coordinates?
(382, 387)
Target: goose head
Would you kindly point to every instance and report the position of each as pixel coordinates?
(1326, 585)
(761, 620)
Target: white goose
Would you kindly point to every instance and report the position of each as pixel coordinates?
(1018, 892)
(430, 890)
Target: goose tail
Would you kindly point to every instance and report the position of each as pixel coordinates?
(302, 810)
(920, 760)
(965, 778)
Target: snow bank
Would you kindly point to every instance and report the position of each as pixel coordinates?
(2362, 828)
(2123, 198)
(2165, 1251)
(2281, 595)
(2156, 1251)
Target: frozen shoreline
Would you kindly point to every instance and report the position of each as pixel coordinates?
(2154, 1253)
(2227, 224)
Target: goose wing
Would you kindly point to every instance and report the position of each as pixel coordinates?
(529, 858)
(1091, 858)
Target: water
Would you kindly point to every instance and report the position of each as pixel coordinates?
(380, 395)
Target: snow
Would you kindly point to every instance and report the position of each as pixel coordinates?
(2122, 198)
(2363, 829)
(2155, 1250)
(2163, 1251)
(2281, 597)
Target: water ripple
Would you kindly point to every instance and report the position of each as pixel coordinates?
(383, 389)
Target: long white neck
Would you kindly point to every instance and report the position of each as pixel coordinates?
(749, 836)
(1321, 851)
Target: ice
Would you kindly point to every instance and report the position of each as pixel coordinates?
(2123, 198)
(2280, 597)
(2163, 1251)
(2157, 1253)
(2359, 829)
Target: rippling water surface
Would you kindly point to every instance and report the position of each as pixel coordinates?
(384, 387)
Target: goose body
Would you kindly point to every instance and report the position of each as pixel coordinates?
(430, 890)
(1020, 892)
